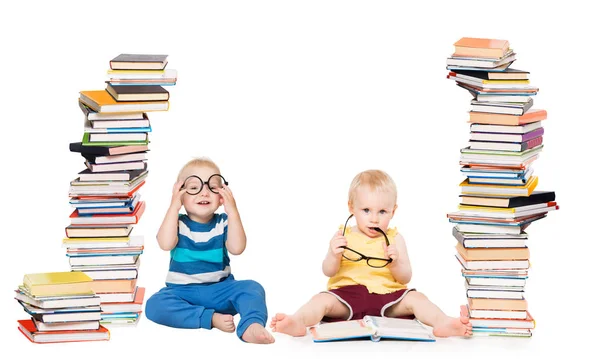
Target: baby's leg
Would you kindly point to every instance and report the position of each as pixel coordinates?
(311, 313)
(424, 310)
(171, 307)
(248, 299)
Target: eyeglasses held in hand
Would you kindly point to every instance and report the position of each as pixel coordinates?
(354, 256)
(194, 184)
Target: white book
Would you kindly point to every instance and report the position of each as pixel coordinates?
(496, 281)
(113, 167)
(120, 123)
(111, 274)
(494, 294)
(129, 157)
(110, 137)
(478, 127)
(503, 98)
(497, 314)
(103, 260)
(58, 302)
(486, 228)
(49, 327)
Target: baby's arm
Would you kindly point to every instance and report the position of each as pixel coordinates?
(331, 263)
(167, 233)
(236, 236)
(400, 266)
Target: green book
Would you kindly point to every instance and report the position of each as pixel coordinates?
(85, 141)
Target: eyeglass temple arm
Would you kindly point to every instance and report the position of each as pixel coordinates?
(345, 224)
(387, 241)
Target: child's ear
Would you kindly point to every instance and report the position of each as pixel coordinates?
(350, 208)
(394, 210)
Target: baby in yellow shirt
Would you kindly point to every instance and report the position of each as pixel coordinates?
(369, 269)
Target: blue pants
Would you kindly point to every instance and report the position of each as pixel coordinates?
(192, 306)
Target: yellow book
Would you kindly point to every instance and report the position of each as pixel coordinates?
(489, 189)
(505, 82)
(57, 283)
(464, 207)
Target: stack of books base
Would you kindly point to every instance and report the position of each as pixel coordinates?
(113, 264)
(62, 308)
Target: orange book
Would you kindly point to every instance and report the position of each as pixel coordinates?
(28, 329)
(484, 254)
(497, 304)
(480, 47)
(121, 307)
(508, 120)
(114, 286)
(101, 101)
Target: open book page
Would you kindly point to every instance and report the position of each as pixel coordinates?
(341, 330)
(399, 328)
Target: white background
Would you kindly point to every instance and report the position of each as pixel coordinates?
(292, 99)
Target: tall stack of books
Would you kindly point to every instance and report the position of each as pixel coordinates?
(106, 195)
(62, 307)
(498, 199)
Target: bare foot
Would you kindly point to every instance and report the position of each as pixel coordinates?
(257, 334)
(455, 326)
(223, 322)
(287, 324)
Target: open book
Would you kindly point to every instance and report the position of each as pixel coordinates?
(374, 328)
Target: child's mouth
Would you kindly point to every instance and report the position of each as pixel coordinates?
(203, 203)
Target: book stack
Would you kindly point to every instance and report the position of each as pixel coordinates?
(106, 195)
(498, 199)
(62, 307)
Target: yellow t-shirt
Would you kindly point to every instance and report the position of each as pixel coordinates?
(377, 280)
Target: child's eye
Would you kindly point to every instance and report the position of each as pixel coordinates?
(366, 210)
(383, 211)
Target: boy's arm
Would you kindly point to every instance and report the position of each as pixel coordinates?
(236, 236)
(331, 263)
(400, 266)
(167, 233)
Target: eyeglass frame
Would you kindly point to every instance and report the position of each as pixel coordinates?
(202, 183)
(362, 256)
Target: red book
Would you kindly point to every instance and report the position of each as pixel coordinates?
(28, 329)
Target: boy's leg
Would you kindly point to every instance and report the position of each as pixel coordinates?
(424, 310)
(247, 297)
(311, 313)
(176, 307)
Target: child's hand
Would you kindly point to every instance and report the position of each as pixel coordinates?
(227, 200)
(390, 251)
(177, 195)
(336, 243)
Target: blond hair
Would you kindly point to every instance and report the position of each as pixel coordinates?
(199, 162)
(376, 180)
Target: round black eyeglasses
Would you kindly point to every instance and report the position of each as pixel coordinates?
(194, 184)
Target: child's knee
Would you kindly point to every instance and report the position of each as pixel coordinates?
(152, 310)
(254, 287)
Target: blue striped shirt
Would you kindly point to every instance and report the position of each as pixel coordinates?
(200, 255)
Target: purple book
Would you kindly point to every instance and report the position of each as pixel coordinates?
(532, 134)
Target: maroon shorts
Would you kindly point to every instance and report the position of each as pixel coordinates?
(360, 302)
